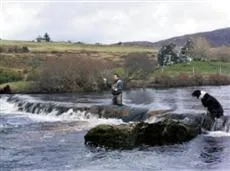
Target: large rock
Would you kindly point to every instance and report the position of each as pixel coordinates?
(111, 136)
(169, 128)
(126, 136)
(5, 90)
(193, 120)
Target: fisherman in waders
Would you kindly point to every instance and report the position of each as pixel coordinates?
(116, 89)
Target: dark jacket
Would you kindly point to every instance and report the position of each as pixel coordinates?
(117, 87)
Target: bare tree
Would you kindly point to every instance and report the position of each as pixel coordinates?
(71, 74)
(201, 49)
(138, 65)
(220, 53)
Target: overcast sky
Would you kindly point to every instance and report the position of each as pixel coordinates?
(109, 21)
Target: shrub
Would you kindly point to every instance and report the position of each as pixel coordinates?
(9, 76)
(197, 79)
(218, 79)
(164, 80)
(221, 53)
(1, 49)
(183, 79)
(138, 65)
(201, 49)
(71, 74)
(25, 49)
(32, 75)
(14, 49)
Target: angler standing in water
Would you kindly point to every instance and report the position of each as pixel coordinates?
(116, 89)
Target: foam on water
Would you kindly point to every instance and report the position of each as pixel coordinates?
(9, 108)
(6, 107)
(218, 134)
(70, 116)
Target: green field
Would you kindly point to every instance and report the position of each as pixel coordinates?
(208, 67)
(41, 52)
(23, 64)
(73, 47)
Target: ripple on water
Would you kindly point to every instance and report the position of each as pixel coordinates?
(30, 143)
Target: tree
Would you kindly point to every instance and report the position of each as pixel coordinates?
(167, 55)
(47, 37)
(138, 65)
(187, 48)
(201, 48)
(186, 52)
(71, 74)
(39, 39)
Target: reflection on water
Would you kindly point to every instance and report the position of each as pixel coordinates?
(179, 99)
(212, 151)
(143, 96)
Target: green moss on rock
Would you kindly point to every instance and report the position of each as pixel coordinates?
(126, 136)
(111, 136)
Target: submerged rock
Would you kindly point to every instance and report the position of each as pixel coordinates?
(126, 113)
(126, 136)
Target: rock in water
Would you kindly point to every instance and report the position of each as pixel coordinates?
(111, 136)
(126, 113)
(197, 121)
(163, 132)
(5, 90)
(127, 136)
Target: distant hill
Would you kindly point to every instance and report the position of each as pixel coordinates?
(215, 38)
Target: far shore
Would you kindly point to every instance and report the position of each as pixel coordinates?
(135, 84)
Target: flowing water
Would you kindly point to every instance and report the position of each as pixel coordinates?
(46, 132)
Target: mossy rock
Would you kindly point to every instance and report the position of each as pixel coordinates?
(111, 136)
(164, 132)
(127, 136)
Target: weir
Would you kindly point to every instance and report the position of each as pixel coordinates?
(125, 113)
(221, 124)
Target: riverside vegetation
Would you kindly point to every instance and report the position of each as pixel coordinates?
(46, 67)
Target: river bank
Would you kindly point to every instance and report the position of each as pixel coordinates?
(160, 81)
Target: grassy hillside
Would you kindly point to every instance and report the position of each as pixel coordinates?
(74, 47)
(13, 61)
(17, 68)
(41, 52)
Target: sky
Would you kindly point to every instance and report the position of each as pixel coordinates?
(110, 21)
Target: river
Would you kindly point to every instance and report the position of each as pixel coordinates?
(40, 137)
